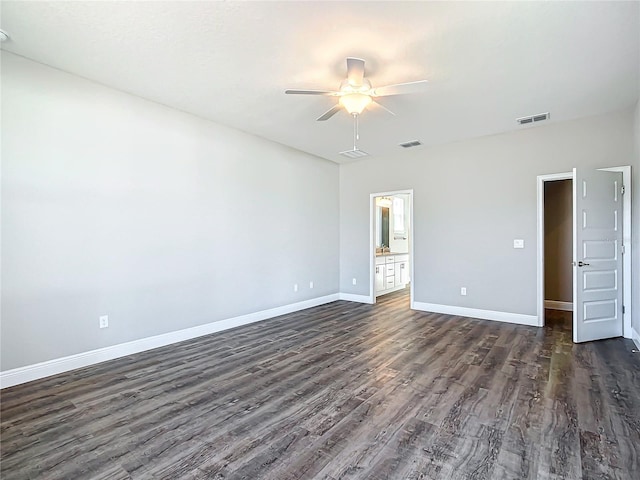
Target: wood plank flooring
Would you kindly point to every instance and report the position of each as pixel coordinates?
(341, 391)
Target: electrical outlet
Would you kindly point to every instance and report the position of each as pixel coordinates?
(518, 243)
(354, 281)
(463, 290)
(311, 284)
(104, 321)
(295, 287)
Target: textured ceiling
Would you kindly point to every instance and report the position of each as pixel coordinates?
(487, 62)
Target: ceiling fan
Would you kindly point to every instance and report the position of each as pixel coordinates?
(356, 92)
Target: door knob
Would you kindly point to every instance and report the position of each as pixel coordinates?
(582, 264)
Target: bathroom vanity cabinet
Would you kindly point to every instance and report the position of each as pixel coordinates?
(392, 272)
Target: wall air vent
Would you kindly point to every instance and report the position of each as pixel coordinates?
(355, 153)
(413, 143)
(533, 118)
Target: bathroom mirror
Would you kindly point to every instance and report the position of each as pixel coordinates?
(382, 227)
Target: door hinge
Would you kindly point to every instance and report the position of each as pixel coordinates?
(622, 190)
(622, 249)
(622, 308)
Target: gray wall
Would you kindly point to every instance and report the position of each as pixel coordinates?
(471, 200)
(115, 205)
(558, 240)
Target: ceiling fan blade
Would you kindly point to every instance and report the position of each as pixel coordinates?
(400, 89)
(329, 113)
(379, 105)
(311, 92)
(355, 71)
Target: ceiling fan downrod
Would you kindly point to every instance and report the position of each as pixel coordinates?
(356, 133)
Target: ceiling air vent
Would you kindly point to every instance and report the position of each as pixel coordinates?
(533, 118)
(413, 143)
(355, 153)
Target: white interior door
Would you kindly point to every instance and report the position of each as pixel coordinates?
(597, 250)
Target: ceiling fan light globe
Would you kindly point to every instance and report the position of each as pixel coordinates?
(355, 103)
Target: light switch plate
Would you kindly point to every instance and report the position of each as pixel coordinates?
(518, 243)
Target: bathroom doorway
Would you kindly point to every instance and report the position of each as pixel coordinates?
(391, 243)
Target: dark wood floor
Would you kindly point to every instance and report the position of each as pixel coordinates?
(339, 391)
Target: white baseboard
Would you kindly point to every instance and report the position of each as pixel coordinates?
(519, 318)
(636, 337)
(28, 373)
(355, 298)
(558, 305)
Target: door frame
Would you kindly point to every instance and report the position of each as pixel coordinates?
(626, 241)
(372, 241)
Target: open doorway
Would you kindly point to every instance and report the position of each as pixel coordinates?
(391, 243)
(558, 253)
(601, 252)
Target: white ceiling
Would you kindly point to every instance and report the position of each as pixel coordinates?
(487, 63)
